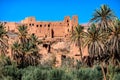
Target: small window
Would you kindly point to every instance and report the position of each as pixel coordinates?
(32, 24)
(40, 25)
(68, 24)
(36, 25)
(29, 24)
(68, 30)
(48, 25)
(67, 20)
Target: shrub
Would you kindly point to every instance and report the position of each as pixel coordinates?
(56, 74)
(116, 77)
(35, 73)
(68, 76)
(12, 72)
(67, 62)
(88, 74)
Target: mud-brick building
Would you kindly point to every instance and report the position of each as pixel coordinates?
(48, 29)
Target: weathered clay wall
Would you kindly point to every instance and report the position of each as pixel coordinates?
(44, 28)
(51, 29)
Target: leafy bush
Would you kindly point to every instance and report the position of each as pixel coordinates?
(88, 74)
(8, 69)
(116, 77)
(67, 62)
(114, 72)
(56, 74)
(68, 76)
(35, 73)
(12, 72)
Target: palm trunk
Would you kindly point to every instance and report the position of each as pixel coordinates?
(113, 59)
(103, 72)
(80, 53)
(79, 44)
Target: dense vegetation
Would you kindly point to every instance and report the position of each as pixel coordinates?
(103, 63)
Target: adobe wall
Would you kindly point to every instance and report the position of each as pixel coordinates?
(11, 26)
(45, 28)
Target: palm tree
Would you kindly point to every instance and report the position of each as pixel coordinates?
(16, 51)
(103, 16)
(3, 40)
(95, 39)
(34, 39)
(31, 49)
(76, 37)
(23, 33)
(23, 39)
(114, 40)
(26, 49)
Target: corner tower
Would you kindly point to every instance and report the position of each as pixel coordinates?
(67, 20)
(74, 21)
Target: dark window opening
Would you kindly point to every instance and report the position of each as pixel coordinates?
(33, 34)
(63, 56)
(68, 30)
(45, 45)
(68, 24)
(32, 24)
(67, 20)
(48, 25)
(36, 25)
(29, 24)
(40, 25)
(52, 33)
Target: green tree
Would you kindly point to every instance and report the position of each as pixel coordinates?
(22, 34)
(113, 44)
(3, 40)
(76, 36)
(26, 51)
(31, 50)
(16, 51)
(95, 39)
(103, 16)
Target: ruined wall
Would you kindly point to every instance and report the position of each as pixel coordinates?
(44, 28)
(11, 26)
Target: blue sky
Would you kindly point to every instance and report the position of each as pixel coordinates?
(53, 10)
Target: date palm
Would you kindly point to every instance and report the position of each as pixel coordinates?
(3, 40)
(95, 39)
(103, 16)
(32, 51)
(25, 51)
(22, 33)
(114, 40)
(76, 37)
(16, 51)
